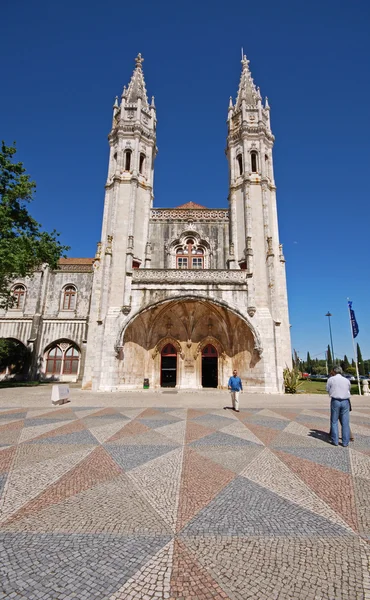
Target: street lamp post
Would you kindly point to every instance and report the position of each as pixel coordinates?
(328, 314)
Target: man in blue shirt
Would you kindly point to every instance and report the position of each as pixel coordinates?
(235, 386)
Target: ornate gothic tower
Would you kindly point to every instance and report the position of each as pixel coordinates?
(123, 246)
(254, 232)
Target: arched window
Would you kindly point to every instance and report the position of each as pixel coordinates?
(19, 295)
(128, 160)
(69, 298)
(190, 256)
(141, 163)
(62, 359)
(71, 360)
(239, 158)
(254, 162)
(54, 361)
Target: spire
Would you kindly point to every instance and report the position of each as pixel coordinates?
(247, 90)
(136, 88)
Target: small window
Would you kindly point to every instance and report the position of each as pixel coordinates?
(128, 160)
(239, 158)
(69, 298)
(135, 264)
(254, 162)
(197, 263)
(141, 163)
(19, 295)
(243, 266)
(182, 262)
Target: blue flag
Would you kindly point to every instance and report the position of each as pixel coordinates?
(354, 325)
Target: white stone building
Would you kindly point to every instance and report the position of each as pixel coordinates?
(177, 296)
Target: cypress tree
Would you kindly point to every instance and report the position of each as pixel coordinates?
(361, 368)
(308, 363)
(345, 363)
(329, 359)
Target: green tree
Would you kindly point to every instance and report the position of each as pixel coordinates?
(308, 363)
(23, 246)
(329, 359)
(13, 355)
(366, 366)
(344, 363)
(353, 364)
(360, 362)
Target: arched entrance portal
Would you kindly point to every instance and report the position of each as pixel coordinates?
(168, 366)
(209, 367)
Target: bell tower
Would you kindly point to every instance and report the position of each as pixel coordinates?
(254, 232)
(123, 246)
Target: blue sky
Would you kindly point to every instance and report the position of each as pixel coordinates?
(63, 64)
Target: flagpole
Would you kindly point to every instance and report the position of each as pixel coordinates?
(354, 351)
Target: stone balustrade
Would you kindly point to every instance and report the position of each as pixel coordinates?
(215, 276)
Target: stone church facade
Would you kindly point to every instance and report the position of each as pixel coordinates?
(175, 296)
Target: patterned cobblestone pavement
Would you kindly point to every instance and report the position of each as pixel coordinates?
(182, 504)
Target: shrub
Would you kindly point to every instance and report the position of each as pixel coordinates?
(291, 380)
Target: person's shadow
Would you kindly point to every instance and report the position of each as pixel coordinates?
(324, 436)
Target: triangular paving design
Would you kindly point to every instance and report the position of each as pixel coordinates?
(132, 428)
(270, 568)
(272, 414)
(332, 457)
(29, 433)
(84, 413)
(232, 458)
(297, 429)
(84, 567)
(201, 480)
(9, 434)
(180, 413)
(131, 413)
(105, 432)
(227, 414)
(289, 414)
(174, 432)
(97, 467)
(19, 413)
(219, 438)
(70, 427)
(29, 454)
(25, 484)
(360, 429)
(150, 412)
(189, 579)
(6, 458)
(193, 413)
(362, 495)
(287, 439)
(64, 414)
(270, 472)
(113, 507)
(319, 415)
(151, 437)
(195, 432)
(130, 457)
(360, 464)
(159, 481)
(214, 422)
(151, 579)
(105, 412)
(333, 487)
(238, 429)
(259, 512)
(265, 434)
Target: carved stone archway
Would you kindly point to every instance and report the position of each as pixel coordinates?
(214, 342)
(168, 339)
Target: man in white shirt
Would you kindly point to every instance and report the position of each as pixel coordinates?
(339, 390)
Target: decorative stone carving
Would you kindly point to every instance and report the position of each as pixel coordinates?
(174, 214)
(98, 250)
(189, 276)
(210, 340)
(251, 311)
(168, 340)
(365, 387)
(108, 249)
(126, 309)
